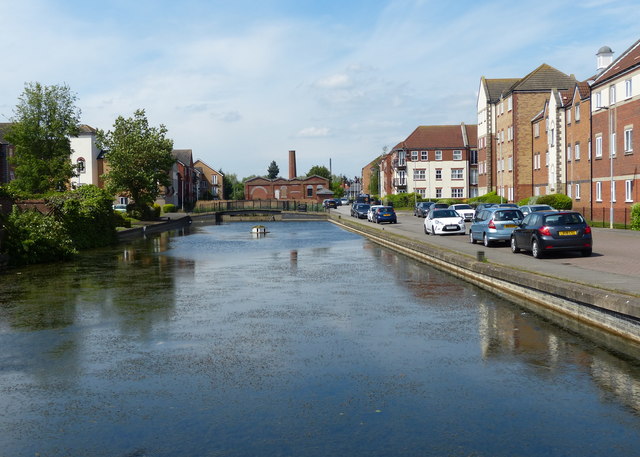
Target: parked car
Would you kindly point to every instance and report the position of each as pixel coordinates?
(338, 201)
(360, 210)
(436, 206)
(508, 205)
(329, 203)
(422, 208)
(385, 214)
(120, 208)
(482, 206)
(442, 221)
(344, 201)
(526, 209)
(371, 212)
(494, 224)
(546, 231)
(464, 210)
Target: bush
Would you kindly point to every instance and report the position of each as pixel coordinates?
(87, 216)
(400, 200)
(169, 208)
(121, 220)
(157, 209)
(557, 201)
(449, 201)
(490, 197)
(635, 217)
(31, 237)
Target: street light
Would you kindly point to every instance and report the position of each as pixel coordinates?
(611, 149)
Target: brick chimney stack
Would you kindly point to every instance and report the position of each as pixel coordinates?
(292, 165)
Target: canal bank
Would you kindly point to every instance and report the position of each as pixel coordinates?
(575, 303)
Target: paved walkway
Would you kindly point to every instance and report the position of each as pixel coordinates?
(614, 265)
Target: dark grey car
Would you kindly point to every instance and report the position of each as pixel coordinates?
(548, 231)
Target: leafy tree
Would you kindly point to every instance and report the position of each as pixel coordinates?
(374, 182)
(43, 121)
(139, 158)
(273, 170)
(319, 170)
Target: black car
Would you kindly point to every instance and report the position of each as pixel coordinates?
(548, 231)
(422, 208)
(360, 210)
(329, 203)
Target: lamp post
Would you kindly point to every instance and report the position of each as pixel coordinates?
(611, 152)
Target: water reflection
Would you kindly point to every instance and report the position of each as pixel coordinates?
(310, 341)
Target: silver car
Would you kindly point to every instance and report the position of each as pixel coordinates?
(494, 224)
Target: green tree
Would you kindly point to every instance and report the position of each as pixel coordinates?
(139, 158)
(320, 170)
(43, 121)
(273, 170)
(374, 182)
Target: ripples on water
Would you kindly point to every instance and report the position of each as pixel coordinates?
(310, 341)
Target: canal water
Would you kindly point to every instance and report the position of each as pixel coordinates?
(309, 341)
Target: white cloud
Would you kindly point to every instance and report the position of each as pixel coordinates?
(313, 132)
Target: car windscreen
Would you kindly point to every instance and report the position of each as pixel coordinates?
(444, 213)
(507, 215)
(563, 219)
(462, 207)
(364, 207)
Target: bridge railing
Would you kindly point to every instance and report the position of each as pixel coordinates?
(205, 206)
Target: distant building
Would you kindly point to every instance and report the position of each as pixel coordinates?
(87, 158)
(210, 183)
(6, 151)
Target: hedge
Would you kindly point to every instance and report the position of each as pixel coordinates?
(635, 217)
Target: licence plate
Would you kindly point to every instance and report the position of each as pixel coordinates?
(568, 233)
(451, 227)
(509, 225)
(386, 215)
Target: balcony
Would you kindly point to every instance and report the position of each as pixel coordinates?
(400, 183)
(399, 164)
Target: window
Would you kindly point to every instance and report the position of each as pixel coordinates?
(569, 153)
(457, 173)
(402, 155)
(577, 191)
(509, 133)
(577, 113)
(576, 151)
(628, 139)
(438, 155)
(510, 193)
(569, 190)
(628, 190)
(598, 100)
(81, 165)
(439, 174)
(473, 157)
(598, 191)
(457, 192)
(612, 145)
(536, 129)
(510, 163)
(438, 192)
(612, 95)
(214, 180)
(569, 116)
(546, 159)
(473, 178)
(422, 192)
(309, 191)
(414, 156)
(599, 147)
(457, 155)
(509, 104)
(424, 155)
(419, 174)
(613, 191)
(124, 200)
(628, 88)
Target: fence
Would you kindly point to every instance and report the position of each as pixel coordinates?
(601, 217)
(206, 206)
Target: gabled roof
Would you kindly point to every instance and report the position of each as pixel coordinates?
(184, 156)
(208, 166)
(544, 78)
(628, 60)
(83, 128)
(440, 137)
(497, 87)
(584, 90)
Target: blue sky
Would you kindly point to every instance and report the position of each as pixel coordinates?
(243, 82)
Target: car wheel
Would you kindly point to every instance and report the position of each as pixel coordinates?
(535, 249)
(433, 231)
(471, 239)
(514, 248)
(586, 252)
(485, 240)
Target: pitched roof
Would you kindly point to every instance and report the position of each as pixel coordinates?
(628, 59)
(497, 87)
(544, 78)
(184, 156)
(83, 128)
(441, 137)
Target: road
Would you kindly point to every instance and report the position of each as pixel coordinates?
(614, 265)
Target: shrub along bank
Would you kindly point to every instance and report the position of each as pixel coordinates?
(78, 219)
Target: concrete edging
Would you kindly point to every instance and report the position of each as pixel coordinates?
(615, 313)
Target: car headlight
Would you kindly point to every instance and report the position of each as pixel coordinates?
(439, 222)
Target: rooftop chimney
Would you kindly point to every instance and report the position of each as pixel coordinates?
(292, 165)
